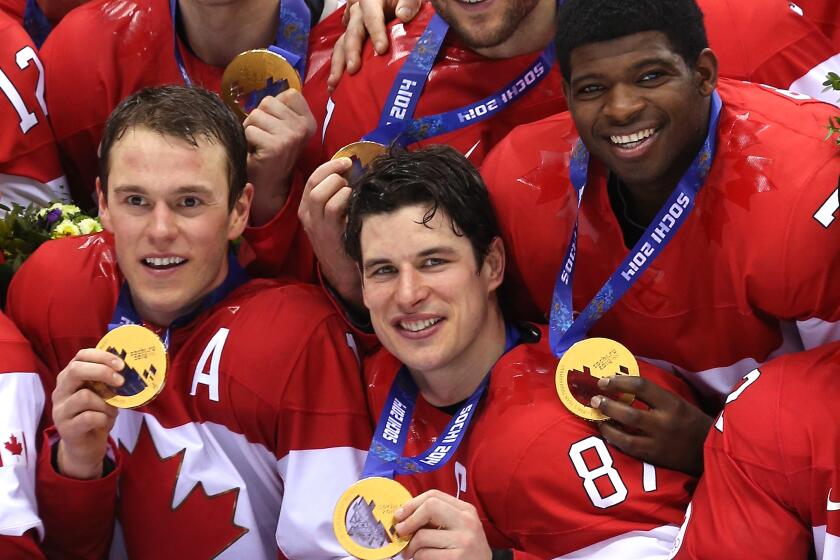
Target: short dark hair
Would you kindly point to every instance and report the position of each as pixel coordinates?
(582, 22)
(436, 176)
(188, 113)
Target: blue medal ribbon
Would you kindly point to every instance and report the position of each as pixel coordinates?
(291, 40)
(36, 23)
(385, 457)
(397, 123)
(126, 314)
(563, 330)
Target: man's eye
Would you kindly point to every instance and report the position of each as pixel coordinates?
(652, 75)
(190, 202)
(383, 270)
(432, 261)
(135, 200)
(589, 90)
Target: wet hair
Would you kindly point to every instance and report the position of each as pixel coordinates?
(438, 177)
(582, 22)
(188, 113)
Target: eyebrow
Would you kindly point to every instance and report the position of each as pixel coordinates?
(186, 189)
(650, 61)
(440, 250)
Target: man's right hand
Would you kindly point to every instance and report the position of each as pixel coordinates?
(323, 214)
(83, 418)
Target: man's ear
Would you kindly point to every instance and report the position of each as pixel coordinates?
(104, 215)
(238, 219)
(706, 72)
(494, 264)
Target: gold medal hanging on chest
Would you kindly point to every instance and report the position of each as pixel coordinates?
(145, 360)
(361, 154)
(363, 520)
(253, 75)
(583, 365)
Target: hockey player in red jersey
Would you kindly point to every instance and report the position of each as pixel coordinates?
(29, 167)
(699, 169)
(263, 404)
(529, 479)
(771, 484)
(21, 405)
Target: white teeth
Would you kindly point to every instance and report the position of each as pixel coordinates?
(163, 261)
(634, 138)
(416, 326)
(471, 1)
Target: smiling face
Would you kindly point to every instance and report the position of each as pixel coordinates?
(430, 304)
(167, 206)
(640, 108)
(483, 24)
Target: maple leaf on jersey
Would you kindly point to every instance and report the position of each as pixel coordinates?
(200, 526)
(13, 446)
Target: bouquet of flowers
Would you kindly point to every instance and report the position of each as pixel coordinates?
(833, 82)
(22, 230)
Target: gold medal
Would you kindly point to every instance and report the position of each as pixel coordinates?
(361, 154)
(583, 365)
(145, 366)
(253, 75)
(364, 518)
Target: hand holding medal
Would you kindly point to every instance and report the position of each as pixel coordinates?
(580, 368)
(144, 356)
(361, 155)
(254, 75)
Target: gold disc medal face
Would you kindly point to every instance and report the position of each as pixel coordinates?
(361, 154)
(583, 365)
(253, 75)
(145, 366)
(364, 518)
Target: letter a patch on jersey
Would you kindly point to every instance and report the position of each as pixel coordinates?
(13, 449)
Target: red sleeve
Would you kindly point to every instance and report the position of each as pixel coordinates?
(280, 248)
(29, 167)
(24, 547)
(747, 486)
(78, 515)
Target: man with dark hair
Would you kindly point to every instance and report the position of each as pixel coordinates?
(262, 404)
(529, 479)
(706, 238)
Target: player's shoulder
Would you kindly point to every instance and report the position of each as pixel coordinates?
(106, 24)
(14, 36)
(62, 260)
(773, 112)
(15, 350)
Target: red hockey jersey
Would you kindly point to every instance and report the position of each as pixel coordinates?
(752, 273)
(544, 482)
(29, 167)
(21, 405)
(771, 486)
(263, 406)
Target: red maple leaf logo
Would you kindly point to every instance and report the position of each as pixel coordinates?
(201, 526)
(13, 446)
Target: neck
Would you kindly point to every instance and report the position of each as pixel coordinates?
(217, 32)
(459, 379)
(534, 33)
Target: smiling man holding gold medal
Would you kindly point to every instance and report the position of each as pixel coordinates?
(470, 422)
(235, 396)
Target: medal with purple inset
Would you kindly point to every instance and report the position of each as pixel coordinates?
(254, 75)
(361, 154)
(363, 520)
(145, 360)
(580, 368)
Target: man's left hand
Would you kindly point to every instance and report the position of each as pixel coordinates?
(437, 522)
(671, 434)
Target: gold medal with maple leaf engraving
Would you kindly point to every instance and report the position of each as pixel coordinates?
(145, 366)
(361, 154)
(583, 365)
(253, 75)
(364, 518)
